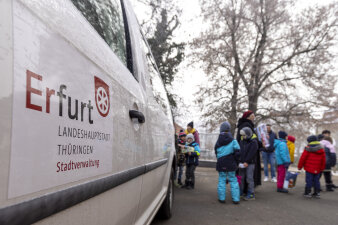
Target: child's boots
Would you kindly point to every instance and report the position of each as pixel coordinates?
(307, 193)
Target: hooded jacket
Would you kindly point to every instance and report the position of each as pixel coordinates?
(249, 149)
(243, 122)
(281, 152)
(313, 158)
(227, 152)
(193, 158)
(291, 147)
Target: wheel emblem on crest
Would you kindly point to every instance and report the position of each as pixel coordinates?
(102, 96)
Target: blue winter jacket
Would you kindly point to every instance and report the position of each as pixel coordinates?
(193, 158)
(281, 152)
(227, 153)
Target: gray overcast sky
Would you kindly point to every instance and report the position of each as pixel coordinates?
(190, 77)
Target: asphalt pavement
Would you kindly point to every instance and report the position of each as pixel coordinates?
(200, 206)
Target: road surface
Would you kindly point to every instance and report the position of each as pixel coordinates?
(200, 206)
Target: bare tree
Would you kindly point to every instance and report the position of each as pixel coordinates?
(282, 59)
(160, 30)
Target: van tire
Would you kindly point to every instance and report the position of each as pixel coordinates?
(165, 212)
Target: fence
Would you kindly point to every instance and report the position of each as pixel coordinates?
(208, 141)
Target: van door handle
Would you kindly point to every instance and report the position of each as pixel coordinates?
(138, 115)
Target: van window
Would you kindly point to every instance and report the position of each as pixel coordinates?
(156, 82)
(106, 17)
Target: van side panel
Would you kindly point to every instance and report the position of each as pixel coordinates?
(118, 205)
(6, 94)
(160, 132)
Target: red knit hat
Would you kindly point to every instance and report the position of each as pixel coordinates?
(182, 134)
(247, 114)
(291, 138)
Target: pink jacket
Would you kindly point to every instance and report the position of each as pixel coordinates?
(328, 145)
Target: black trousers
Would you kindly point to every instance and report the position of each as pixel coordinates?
(328, 177)
(190, 174)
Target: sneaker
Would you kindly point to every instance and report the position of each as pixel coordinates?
(282, 190)
(266, 179)
(274, 180)
(221, 201)
(316, 195)
(235, 202)
(329, 188)
(307, 195)
(249, 197)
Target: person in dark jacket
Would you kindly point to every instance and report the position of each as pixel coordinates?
(180, 156)
(313, 161)
(248, 153)
(326, 142)
(247, 121)
(227, 152)
(268, 155)
(191, 161)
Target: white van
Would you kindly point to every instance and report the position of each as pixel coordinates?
(86, 131)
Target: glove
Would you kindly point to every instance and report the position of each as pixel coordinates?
(286, 165)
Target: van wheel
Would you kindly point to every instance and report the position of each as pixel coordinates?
(165, 211)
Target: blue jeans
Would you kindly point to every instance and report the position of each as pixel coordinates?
(222, 187)
(312, 180)
(178, 170)
(269, 158)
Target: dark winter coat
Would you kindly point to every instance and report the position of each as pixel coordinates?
(313, 158)
(272, 137)
(249, 149)
(242, 122)
(193, 158)
(227, 152)
(179, 154)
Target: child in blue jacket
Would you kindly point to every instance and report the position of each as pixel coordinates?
(227, 152)
(283, 160)
(191, 161)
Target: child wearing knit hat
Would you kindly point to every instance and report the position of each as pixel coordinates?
(313, 161)
(191, 161)
(227, 153)
(283, 160)
(180, 156)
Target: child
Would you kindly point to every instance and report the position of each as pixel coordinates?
(313, 161)
(191, 161)
(180, 156)
(249, 148)
(283, 160)
(291, 146)
(227, 151)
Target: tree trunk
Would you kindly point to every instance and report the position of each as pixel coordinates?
(253, 101)
(234, 101)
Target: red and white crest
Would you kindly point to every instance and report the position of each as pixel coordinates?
(102, 96)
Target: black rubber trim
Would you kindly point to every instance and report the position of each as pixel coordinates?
(36, 209)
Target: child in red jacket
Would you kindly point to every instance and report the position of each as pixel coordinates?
(313, 161)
